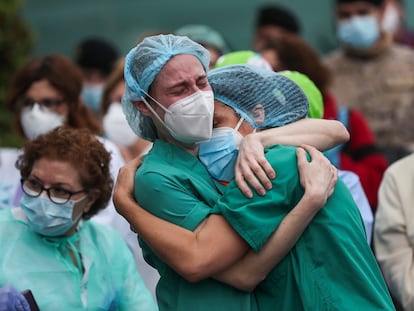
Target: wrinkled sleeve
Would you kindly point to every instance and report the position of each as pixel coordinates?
(170, 200)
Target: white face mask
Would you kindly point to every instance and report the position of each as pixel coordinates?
(38, 120)
(188, 120)
(391, 20)
(116, 126)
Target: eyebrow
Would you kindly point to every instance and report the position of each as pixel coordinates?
(58, 184)
(185, 82)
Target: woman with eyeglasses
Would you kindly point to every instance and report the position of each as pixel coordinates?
(49, 246)
(46, 93)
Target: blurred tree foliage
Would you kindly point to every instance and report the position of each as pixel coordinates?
(16, 41)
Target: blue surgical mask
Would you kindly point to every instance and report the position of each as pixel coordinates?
(359, 31)
(219, 154)
(48, 218)
(92, 96)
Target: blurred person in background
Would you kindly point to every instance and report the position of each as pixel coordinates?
(374, 74)
(271, 22)
(96, 57)
(48, 243)
(114, 123)
(393, 231)
(360, 154)
(393, 21)
(208, 37)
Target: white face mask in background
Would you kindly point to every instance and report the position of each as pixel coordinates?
(38, 120)
(391, 20)
(116, 126)
(188, 120)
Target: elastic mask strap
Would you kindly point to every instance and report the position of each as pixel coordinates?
(152, 98)
(239, 123)
(153, 111)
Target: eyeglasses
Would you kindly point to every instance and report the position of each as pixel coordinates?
(47, 102)
(57, 195)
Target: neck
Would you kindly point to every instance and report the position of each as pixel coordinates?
(190, 148)
(383, 43)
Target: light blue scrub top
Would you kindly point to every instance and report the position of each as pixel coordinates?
(331, 267)
(173, 185)
(110, 280)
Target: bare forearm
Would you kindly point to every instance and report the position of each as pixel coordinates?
(194, 255)
(254, 267)
(322, 134)
(156, 231)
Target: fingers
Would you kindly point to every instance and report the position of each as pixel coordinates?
(313, 152)
(301, 155)
(317, 176)
(256, 173)
(334, 171)
(244, 188)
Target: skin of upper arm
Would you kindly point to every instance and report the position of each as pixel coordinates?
(322, 134)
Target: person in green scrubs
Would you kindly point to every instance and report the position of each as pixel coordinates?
(331, 267)
(174, 99)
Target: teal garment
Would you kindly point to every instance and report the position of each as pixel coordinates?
(173, 185)
(110, 280)
(331, 267)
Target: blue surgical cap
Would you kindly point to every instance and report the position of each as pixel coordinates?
(143, 63)
(146, 60)
(244, 87)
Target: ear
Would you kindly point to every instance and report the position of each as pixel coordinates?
(142, 107)
(258, 114)
(92, 197)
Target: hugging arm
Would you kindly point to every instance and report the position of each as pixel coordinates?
(214, 248)
(318, 178)
(253, 169)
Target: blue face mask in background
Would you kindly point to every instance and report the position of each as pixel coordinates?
(359, 31)
(92, 96)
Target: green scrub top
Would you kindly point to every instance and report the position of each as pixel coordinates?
(331, 267)
(110, 280)
(173, 185)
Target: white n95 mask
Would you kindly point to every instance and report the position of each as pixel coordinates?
(188, 120)
(38, 120)
(116, 126)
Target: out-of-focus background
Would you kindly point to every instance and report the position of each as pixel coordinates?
(35, 27)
